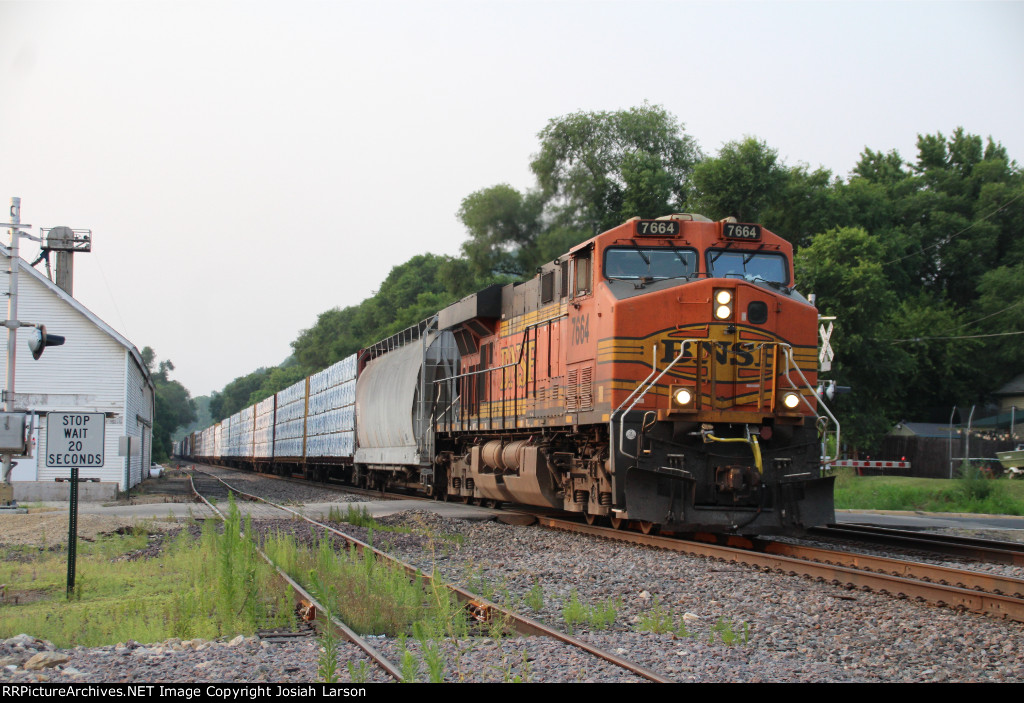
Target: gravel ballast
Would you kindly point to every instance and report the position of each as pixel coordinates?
(786, 628)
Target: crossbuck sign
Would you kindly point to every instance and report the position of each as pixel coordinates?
(74, 439)
(825, 355)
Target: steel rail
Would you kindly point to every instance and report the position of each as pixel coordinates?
(984, 550)
(934, 593)
(521, 623)
(340, 627)
(334, 487)
(961, 578)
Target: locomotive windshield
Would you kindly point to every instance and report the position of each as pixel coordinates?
(750, 265)
(649, 263)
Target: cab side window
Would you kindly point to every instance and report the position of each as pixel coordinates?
(583, 273)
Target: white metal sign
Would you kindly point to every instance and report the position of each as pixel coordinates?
(128, 446)
(74, 439)
(825, 355)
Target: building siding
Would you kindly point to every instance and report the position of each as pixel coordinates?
(92, 372)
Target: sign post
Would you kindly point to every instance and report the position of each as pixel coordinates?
(74, 440)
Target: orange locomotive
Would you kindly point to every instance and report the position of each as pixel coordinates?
(660, 373)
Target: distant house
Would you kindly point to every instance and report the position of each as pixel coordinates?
(96, 370)
(928, 446)
(1011, 395)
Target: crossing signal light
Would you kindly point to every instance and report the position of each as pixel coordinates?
(38, 340)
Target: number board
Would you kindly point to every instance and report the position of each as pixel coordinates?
(732, 230)
(657, 228)
(74, 439)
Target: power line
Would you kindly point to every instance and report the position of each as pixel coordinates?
(997, 312)
(948, 239)
(968, 336)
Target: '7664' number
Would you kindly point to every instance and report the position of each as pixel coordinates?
(581, 329)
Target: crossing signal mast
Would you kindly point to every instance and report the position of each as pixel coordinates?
(827, 389)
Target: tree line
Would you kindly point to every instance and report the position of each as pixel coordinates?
(921, 260)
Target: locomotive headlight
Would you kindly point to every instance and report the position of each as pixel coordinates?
(682, 399)
(791, 400)
(723, 304)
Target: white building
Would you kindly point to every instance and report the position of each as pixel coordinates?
(96, 370)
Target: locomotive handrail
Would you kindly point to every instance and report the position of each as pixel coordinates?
(821, 402)
(444, 412)
(791, 361)
(522, 350)
(654, 365)
(452, 379)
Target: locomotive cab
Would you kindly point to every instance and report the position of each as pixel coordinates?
(722, 428)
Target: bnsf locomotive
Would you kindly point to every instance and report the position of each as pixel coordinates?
(661, 373)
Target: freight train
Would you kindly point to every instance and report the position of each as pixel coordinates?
(661, 373)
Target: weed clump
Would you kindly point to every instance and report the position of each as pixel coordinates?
(595, 616)
(212, 586)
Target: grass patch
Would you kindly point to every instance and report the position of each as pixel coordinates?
(971, 493)
(373, 598)
(378, 598)
(598, 617)
(209, 587)
(535, 598)
(659, 621)
(729, 633)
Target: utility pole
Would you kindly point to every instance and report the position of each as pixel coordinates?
(17, 446)
(12, 323)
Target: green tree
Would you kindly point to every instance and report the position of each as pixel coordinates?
(598, 169)
(412, 292)
(956, 213)
(808, 203)
(843, 268)
(279, 378)
(999, 312)
(503, 225)
(940, 369)
(741, 182)
(236, 394)
(174, 406)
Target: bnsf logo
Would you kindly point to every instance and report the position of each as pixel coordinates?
(734, 354)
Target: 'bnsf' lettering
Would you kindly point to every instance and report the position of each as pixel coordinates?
(736, 353)
(523, 372)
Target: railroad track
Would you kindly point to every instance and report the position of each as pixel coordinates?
(479, 607)
(968, 547)
(370, 493)
(936, 585)
(210, 486)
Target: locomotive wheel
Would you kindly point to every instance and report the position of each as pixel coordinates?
(616, 523)
(591, 519)
(467, 500)
(647, 527)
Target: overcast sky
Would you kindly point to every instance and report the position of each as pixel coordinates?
(245, 166)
